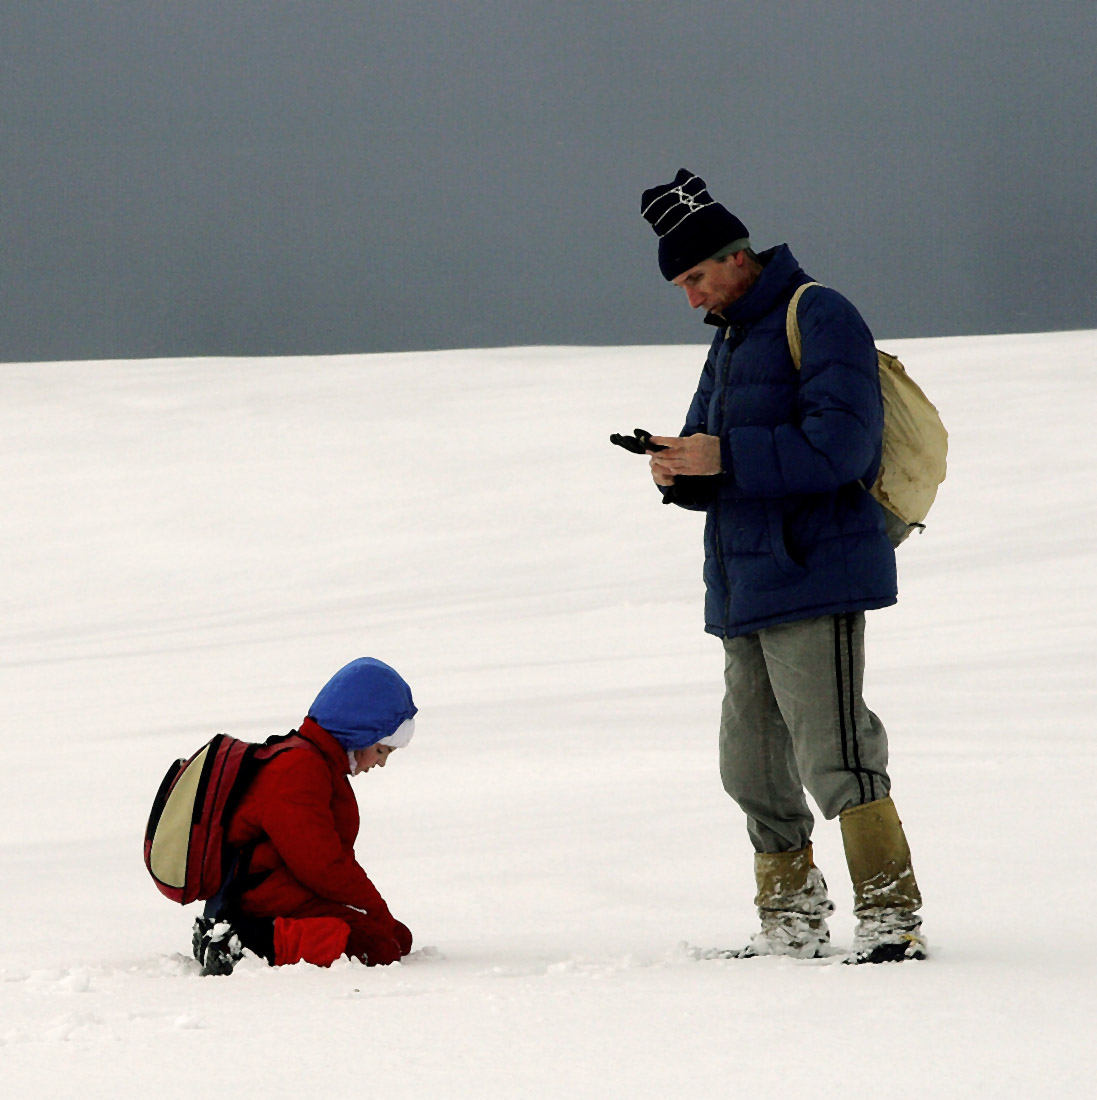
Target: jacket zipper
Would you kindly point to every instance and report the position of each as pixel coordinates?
(725, 373)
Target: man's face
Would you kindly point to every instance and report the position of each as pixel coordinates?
(714, 284)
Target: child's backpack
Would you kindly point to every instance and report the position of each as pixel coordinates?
(915, 439)
(185, 850)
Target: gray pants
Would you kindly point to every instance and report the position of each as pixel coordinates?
(793, 719)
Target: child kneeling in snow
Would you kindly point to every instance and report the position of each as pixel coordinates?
(302, 895)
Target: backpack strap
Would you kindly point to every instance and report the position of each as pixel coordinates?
(792, 324)
(240, 878)
(792, 332)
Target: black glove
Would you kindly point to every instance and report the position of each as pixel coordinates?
(639, 443)
(692, 490)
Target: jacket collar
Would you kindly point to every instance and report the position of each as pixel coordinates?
(335, 754)
(781, 275)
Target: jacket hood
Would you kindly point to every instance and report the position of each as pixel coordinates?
(365, 702)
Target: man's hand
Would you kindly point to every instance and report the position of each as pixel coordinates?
(660, 476)
(693, 455)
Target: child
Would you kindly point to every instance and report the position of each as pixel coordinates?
(300, 894)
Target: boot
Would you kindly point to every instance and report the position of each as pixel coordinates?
(886, 898)
(215, 945)
(218, 943)
(793, 906)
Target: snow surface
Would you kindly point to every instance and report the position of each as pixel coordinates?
(195, 546)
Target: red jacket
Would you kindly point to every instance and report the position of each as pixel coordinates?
(303, 813)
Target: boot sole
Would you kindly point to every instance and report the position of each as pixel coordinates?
(888, 953)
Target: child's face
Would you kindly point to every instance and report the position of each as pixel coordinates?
(373, 757)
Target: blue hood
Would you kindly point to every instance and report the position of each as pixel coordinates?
(363, 703)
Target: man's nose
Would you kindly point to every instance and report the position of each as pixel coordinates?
(694, 296)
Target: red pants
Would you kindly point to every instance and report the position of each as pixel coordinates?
(320, 931)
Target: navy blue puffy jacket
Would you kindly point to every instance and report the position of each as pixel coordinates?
(791, 531)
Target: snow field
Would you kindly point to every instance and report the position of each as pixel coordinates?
(194, 546)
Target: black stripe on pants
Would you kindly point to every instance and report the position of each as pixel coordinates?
(847, 706)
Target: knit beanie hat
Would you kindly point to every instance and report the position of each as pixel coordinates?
(690, 225)
(366, 703)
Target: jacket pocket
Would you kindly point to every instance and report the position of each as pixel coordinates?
(786, 564)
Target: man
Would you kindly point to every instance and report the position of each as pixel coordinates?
(795, 553)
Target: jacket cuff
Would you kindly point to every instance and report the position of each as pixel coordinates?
(725, 458)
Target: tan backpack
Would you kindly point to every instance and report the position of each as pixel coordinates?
(915, 440)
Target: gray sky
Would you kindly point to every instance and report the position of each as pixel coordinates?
(190, 177)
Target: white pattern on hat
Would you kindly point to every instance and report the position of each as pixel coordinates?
(692, 203)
